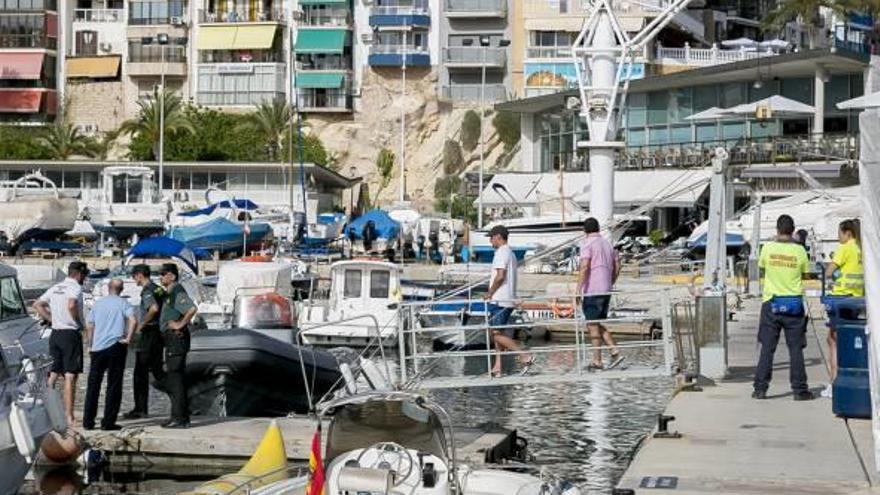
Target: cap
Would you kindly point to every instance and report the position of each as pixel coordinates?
(169, 268)
(143, 269)
(498, 230)
(78, 266)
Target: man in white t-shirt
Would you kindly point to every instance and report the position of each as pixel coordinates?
(502, 293)
(62, 307)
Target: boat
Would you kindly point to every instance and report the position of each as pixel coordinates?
(374, 232)
(401, 442)
(250, 336)
(439, 239)
(129, 204)
(35, 279)
(34, 209)
(225, 227)
(29, 409)
(362, 307)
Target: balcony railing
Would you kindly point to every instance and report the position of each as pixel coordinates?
(475, 55)
(328, 100)
(416, 7)
(476, 6)
(138, 53)
(397, 49)
(156, 13)
(326, 18)
(335, 63)
(241, 14)
(548, 52)
(706, 56)
(27, 5)
(237, 98)
(28, 41)
(99, 15)
(471, 92)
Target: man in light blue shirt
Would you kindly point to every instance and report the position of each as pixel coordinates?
(109, 327)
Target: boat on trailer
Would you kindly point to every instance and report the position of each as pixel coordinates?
(129, 204)
(34, 209)
(361, 309)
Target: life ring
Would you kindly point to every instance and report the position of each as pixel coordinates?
(561, 311)
(283, 304)
(257, 259)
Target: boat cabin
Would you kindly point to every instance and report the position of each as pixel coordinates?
(129, 185)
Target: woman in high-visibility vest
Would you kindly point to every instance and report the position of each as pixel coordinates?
(848, 277)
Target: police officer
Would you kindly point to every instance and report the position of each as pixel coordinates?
(174, 318)
(148, 345)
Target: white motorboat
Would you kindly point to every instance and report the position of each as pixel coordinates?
(34, 208)
(129, 204)
(240, 277)
(399, 442)
(439, 239)
(361, 310)
(35, 279)
(29, 410)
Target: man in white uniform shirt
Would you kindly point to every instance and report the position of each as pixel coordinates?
(62, 307)
(502, 293)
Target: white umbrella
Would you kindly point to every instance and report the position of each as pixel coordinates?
(862, 102)
(779, 106)
(776, 44)
(740, 43)
(713, 113)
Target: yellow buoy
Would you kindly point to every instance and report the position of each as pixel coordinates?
(267, 465)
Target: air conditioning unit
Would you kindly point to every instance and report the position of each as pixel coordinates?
(88, 129)
(176, 21)
(367, 37)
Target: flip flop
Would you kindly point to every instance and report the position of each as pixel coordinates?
(615, 361)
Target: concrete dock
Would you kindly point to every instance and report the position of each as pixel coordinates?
(732, 444)
(224, 444)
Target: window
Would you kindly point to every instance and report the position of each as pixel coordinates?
(11, 304)
(733, 94)
(380, 281)
(127, 189)
(705, 97)
(658, 107)
(352, 287)
(72, 180)
(200, 180)
(218, 180)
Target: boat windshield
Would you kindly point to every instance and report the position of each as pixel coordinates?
(11, 302)
(402, 421)
(263, 311)
(128, 189)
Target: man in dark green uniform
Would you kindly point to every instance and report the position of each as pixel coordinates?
(177, 311)
(148, 345)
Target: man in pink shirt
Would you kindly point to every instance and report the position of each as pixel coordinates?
(599, 267)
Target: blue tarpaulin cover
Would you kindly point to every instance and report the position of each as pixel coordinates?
(386, 227)
(733, 240)
(219, 234)
(241, 204)
(164, 247)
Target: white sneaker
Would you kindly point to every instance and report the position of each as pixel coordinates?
(827, 391)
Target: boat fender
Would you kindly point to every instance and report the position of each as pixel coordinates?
(21, 432)
(29, 369)
(561, 311)
(358, 480)
(55, 409)
(286, 316)
(374, 377)
(350, 383)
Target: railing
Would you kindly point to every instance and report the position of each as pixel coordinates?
(27, 41)
(548, 52)
(99, 15)
(237, 98)
(707, 56)
(416, 7)
(326, 18)
(773, 150)
(471, 92)
(241, 14)
(475, 55)
(27, 5)
(475, 6)
(328, 63)
(397, 49)
(333, 99)
(155, 13)
(138, 53)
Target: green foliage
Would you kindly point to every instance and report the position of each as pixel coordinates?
(657, 236)
(100, 148)
(443, 192)
(313, 150)
(470, 130)
(507, 126)
(808, 12)
(385, 165)
(146, 126)
(20, 143)
(463, 208)
(453, 159)
(270, 121)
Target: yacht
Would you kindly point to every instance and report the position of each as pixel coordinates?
(34, 209)
(129, 204)
(29, 410)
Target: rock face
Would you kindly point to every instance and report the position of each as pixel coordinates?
(356, 139)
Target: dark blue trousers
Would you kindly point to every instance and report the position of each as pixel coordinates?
(795, 328)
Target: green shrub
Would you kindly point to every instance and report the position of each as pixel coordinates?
(453, 159)
(443, 190)
(507, 126)
(657, 236)
(385, 165)
(470, 130)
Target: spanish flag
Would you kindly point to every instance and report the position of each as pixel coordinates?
(316, 466)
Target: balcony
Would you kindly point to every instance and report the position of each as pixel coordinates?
(253, 83)
(393, 56)
(99, 15)
(326, 18)
(549, 52)
(241, 14)
(470, 9)
(9, 6)
(156, 13)
(324, 101)
(329, 62)
(146, 60)
(34, 40)
(416, 14)
(704, 57)
(474, 57)
(471, 92)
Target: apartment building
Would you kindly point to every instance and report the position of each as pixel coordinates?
(325, 77)
(30, 69)
(401, 34)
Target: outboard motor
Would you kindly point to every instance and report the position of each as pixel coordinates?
(369, 235)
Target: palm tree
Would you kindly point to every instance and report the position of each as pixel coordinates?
(62, 139)
(100, 148)
(808, 13)
(270, 120)
(147, 121)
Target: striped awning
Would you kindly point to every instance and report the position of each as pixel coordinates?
(93, 67)
(325, 80)
(321, 41)
(21, 100)
(21, 65)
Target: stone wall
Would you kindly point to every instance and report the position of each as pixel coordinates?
(96, 103)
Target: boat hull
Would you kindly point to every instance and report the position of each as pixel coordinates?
(221, 235)
(245, 373)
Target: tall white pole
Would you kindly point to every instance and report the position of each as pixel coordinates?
(604, 73)
(162, 123)
(403, 118)
(482, 113)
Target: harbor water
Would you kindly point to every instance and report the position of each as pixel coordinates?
(583, 432)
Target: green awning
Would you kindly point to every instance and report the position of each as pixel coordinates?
(320, 41)
(323, 2)
(325, 80)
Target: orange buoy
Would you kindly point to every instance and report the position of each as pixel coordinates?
(62, 448)
(561, 311)
(285, 316)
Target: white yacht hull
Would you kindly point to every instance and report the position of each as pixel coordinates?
(37, 218)
(126, 220)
